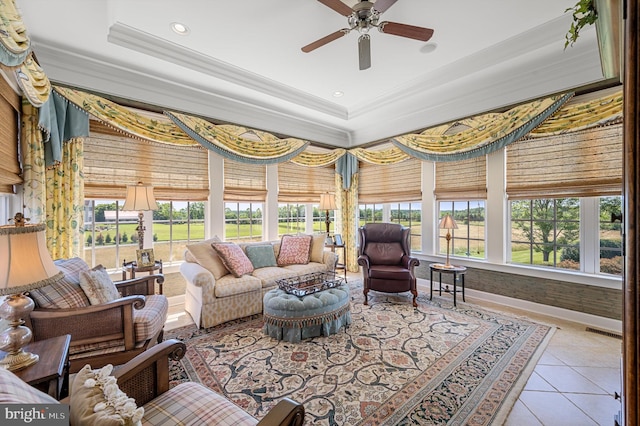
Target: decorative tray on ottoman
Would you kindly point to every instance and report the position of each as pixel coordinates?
(314, 282)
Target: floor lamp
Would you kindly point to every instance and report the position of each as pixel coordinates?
(25, 264)
(448, 223)
(327, 202)
(140, 198)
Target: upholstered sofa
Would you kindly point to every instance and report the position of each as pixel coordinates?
(215, 295)
(143, 390)
(108, 327)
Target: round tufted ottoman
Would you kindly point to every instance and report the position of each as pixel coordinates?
(293, 318)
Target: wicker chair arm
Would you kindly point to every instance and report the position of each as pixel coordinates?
(286, 413)
(141, 285)
(146, 376)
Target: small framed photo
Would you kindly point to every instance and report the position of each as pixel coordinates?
(145, 258)
(337, 239)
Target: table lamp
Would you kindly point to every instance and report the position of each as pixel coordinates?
(25, 264)
(140, 198)
(327, 202)
(448, 223)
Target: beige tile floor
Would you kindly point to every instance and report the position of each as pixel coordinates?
(572, 384)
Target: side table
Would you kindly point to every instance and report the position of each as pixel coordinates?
(455, 271)
(51, 373)
(339, 266)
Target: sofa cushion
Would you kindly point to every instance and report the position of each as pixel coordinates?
(231, 286)
(191, 403)
(294, 249)
(261, 255)
(97, 285)
(96, 399)
(317, 247)
(204, 254)
(15, 391)
(67, 292)
(234, 259)
(268, 276)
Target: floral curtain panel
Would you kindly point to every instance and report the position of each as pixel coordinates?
(347, 225)
(126, 120)
(33, 168)
(482, 135)
(239, 143)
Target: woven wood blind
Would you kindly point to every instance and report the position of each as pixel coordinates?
(579, 164)
(113, 160)
(300, 184)
(244, 181)
(462, 180)
(390, 182)
(9, 128)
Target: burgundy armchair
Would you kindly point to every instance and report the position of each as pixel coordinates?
(385, 257)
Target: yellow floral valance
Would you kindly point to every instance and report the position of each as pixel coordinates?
(582, 115)
(392, 155)
(128, 121)
(14, 40)
(239, 143)
(484, 134)
(33, 81)
(318, 159)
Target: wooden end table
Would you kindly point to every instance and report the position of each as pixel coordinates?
(132, 268)
(51, 373)
(455, 271)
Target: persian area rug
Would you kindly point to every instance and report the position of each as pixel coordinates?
(394, 365)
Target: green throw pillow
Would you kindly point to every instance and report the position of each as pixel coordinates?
(261, 256)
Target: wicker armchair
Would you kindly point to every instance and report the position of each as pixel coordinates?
(109, 333)
(146, 379)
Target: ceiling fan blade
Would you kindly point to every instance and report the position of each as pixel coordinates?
(364, 51)
(338, 6)
(324, 40)
(404, 30)
(382, 5)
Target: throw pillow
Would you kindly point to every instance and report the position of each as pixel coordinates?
(234, 259)
(317, 247)
(97, 285)
(96, 399)
(294, 250)
(261, 256)
(206, 256)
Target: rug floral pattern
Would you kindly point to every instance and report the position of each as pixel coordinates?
(395, 365)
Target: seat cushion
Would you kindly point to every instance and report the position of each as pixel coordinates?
(150, 319)
(193, 404)
(389, 272)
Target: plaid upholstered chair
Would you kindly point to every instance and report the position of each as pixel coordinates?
(145, 379)
(102, 332)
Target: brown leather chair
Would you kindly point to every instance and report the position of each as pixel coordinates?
(385, 257)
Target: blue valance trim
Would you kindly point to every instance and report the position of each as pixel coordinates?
(60, 121)
(347, 166)
(496, 145)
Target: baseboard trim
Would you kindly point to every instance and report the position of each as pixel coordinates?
(538, 308)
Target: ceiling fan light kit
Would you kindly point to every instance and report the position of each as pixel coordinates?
(362, 17)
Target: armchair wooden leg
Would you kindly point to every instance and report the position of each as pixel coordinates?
(415, 295)
(365, 291)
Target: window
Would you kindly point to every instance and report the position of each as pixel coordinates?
(291, 219)
(546, 232)
(610, 253)
(243, 222)
(409, 215)
(111, 238)
(370, 213)
(469, 239)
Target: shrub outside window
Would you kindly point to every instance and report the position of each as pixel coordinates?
(409, 215)
(243, 222)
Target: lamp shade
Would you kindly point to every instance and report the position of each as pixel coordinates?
(327, 201)
(140, 198)
(447, 222)
(25, 262)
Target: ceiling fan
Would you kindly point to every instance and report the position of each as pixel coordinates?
(362, 17)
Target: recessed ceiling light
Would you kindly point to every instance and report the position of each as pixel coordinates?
(337, 94)
(179, 28)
